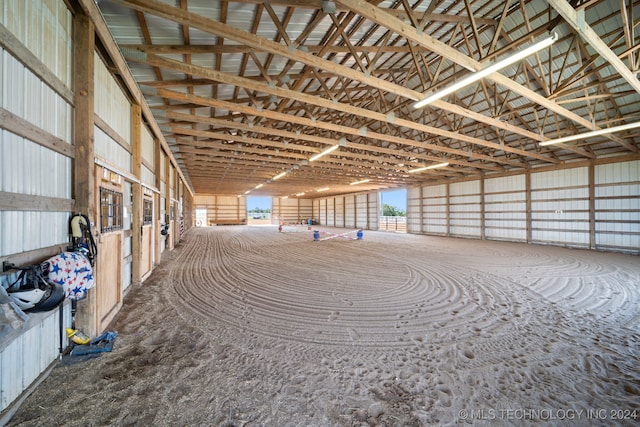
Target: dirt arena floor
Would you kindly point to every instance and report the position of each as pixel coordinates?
(246, 326)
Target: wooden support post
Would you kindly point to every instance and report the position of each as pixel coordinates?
(157, 157)
(83, 141)
(448, 209)
(136, 194)
(167, 201)
(592, 205)
(527, 185)
(482, 210)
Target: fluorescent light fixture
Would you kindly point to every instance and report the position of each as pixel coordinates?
(360, 182)
(484, 72)
(247, 192)
(591, 134)
(324, 153)
(299, 194)
(280, 175)
(436, 166)
(322, 189)
(285, 197)
(259, 186)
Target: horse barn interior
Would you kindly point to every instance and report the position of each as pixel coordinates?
(513, 126)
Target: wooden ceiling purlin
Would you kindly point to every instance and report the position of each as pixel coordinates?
(308, 99)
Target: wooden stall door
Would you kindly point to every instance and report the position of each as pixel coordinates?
(109, 280)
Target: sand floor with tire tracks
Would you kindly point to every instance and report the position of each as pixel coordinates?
(246, 326)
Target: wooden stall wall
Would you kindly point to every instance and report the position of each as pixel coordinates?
(350, 211)
(36, 170)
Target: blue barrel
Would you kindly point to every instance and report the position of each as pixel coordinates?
(359, 234)
(316, 235)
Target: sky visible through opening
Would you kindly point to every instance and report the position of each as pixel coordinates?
(255, 202)
(395, 198)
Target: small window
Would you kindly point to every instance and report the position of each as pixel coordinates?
(110, 210)
(147, 212)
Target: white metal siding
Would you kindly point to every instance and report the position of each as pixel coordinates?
(414, 210)
(464, 209)
(362, 211)
(339, 211)
(435, 209)
(560, 207)
(26, 356)
(331, 212)
(506, 208)
(147, 147)
(617, 205)
(110, 150)
(111, 104)
(147, 176)
(350, 211)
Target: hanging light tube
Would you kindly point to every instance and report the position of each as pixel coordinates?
(322, 189)
(591, 134)
(299, 194)
(324, 153)
(280, 175)
(484, 72)
(436, 166)
(360, 182)
(258, 186)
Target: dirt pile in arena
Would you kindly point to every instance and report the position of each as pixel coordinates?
(248, 326)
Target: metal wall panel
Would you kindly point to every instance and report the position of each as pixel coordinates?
(111, 104)
(323, 212)
(147, 176)
(111, 151)
(331, 212)
(414, 210)
(373, 211)
(147, 147)
(617, 206)
(464, 209)
(560, 207)
(350, 211)
(26, 356)
(339, 212)
(362, 211)
(505, 208)
(434, 210)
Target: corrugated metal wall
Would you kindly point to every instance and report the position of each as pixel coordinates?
(434, 209)
(28, 168)
(350, 211)
(617, 206)
(414, 210)
(505, 204)
(560, 207)
(291, 210)
(546, 207)
(464, 209)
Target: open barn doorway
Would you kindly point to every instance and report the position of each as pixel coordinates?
(393, 210)
(259, 210)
